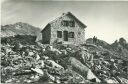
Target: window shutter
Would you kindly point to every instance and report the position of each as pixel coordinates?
(71, 34)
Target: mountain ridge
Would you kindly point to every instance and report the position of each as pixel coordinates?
(19, 28)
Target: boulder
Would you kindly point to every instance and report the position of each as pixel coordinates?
(90, 76)
(82, 69)
(54, 64)
(40, 71)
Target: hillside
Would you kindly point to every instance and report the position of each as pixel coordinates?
(25, 61)
(118, 49)
(19, 28)
(87, 63)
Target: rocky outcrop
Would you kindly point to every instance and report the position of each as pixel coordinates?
(117, 49)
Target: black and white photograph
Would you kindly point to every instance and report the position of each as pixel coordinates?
(64, 41)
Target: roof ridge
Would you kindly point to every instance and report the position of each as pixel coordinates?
(69, 13)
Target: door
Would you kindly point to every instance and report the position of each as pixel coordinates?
(65, 35)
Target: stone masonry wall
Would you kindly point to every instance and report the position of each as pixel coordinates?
(79, 38)
(46, 35)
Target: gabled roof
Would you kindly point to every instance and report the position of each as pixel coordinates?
(45, 27)
(81, 23)
(71, 15)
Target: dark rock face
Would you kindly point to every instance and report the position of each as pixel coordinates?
(23, 39)
(121, 48)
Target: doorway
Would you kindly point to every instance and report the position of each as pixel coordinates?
(65, 35)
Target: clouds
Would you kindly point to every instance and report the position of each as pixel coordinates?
(106, 20)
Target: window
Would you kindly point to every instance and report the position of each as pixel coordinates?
(65, 33)
(68, 23)
(65, 23)
(72, 23)
(71, 34)
(79, 33)
(59, 34)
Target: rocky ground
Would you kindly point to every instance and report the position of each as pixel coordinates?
(38, 63)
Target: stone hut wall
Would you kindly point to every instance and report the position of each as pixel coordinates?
(79, 33)
(46, 35)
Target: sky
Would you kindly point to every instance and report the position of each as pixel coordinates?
(107, 20)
